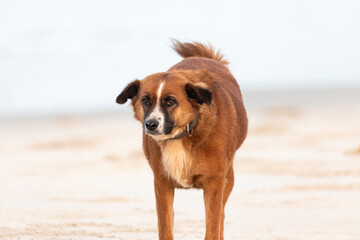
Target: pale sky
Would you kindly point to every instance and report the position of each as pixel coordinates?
(58, 56)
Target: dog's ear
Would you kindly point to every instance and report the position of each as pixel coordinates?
(129, 92)
(200, 94)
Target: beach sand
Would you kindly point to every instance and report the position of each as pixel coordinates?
(297, 176)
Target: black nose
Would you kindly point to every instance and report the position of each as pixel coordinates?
(151, 125)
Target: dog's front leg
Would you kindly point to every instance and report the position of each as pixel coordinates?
(164, 194)
(213, 198)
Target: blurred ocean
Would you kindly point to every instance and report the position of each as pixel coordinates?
(76, 56)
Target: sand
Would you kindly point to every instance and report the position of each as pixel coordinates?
(85, 177)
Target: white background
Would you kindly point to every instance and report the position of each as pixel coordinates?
(76, 56)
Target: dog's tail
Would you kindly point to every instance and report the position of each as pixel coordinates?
(196, 49)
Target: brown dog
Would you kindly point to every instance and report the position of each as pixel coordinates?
(194, 120)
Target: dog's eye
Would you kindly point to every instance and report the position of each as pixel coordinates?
(145, 101)
(170, 102)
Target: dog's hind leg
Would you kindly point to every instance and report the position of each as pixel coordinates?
(164, 194)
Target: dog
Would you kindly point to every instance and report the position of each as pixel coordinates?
(194, 120)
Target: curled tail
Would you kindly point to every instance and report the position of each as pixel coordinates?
(196, 49)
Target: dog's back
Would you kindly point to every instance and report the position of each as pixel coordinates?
(198, 56)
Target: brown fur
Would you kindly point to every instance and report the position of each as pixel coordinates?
(204, 160)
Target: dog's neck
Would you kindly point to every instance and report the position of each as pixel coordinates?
(188, 131)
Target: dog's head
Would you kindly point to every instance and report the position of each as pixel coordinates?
(166, 102)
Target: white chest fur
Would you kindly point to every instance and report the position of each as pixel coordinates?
(176, 161)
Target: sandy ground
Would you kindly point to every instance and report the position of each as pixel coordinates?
(85, 177)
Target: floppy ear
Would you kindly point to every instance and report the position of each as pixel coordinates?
(129, 92)
(200, 94)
